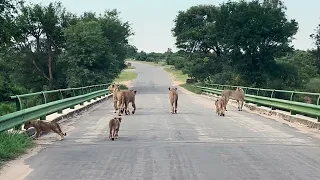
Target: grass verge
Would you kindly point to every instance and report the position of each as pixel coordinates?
(191, 88)
(126, 76)
(12, 145)
(177, 74)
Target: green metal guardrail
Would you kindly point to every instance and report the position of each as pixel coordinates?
(28, 106)
(273, 98)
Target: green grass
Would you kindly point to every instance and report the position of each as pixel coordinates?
(191, 88)
(126, 76)
(12, 145)
(177, 74)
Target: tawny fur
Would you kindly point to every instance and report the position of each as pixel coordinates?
(114, 126)
(173, 98)
(121, 99)
(42, 126)
(220, 106)
(130, 97)
(237, 95)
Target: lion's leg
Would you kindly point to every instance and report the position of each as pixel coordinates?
(171, 107)
(119, 108)
(38, 133)
(59, 133)
(117, 131)
(126, 108)
(176, 106)
(110, 133)
(225, 105)
(134, 107)
(115, 106)
(113, 134)
(241, 105)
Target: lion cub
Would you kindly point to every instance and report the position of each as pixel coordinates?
(173, 97)
(220, 106)
(114, 126)
(42, 126)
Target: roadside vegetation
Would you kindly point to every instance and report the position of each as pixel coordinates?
(12, 145)
(213, 47)
(46, 47)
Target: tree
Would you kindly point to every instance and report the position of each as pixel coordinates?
(42, 40)
(304, 62)
(194, 29)
(253, 34)
(96, 47)
(316, 37)
(87, 58)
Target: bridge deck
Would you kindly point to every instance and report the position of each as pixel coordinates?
(193, 144)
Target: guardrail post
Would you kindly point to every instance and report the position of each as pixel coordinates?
(82, 92)
(94, 89)
(18, 108)
(60, 97)
(89, 92)
(44, 101)
(291, 98)
(272, 96)
(73, 95)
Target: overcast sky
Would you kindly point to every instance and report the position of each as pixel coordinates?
(152, 20)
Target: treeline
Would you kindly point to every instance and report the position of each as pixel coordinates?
(45, 47)
(243, 43)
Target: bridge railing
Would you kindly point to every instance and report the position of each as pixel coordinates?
(291, 101)
(40, 104)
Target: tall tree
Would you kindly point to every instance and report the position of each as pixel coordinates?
(194, 29)
(254, 34)
(42, 39)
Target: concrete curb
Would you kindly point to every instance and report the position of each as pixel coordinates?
(81, 109)
(283, 115)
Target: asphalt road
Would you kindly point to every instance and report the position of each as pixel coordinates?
(193, 144)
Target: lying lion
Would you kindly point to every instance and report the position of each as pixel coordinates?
(220, 106)
(114, 126)
(237, 95)
(42, 126)
(173, 98)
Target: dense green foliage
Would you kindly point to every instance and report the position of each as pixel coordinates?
(242, 43)
(46, 47)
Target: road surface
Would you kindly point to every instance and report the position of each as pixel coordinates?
(194, 144)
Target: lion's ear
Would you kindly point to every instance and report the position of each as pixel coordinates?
(135, 91)
(169, 88)
(120, 119)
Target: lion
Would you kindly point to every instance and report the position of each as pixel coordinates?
(114, 126)
(220, 106)
(130, 97)
(237, 95)
(121, 99)
(115, 89)
(42, 126)
(173, 98)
